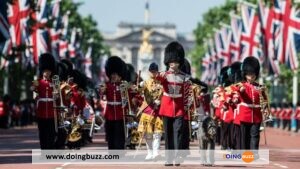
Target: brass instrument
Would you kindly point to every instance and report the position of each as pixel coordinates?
(125, 97)
(60, 109)
(264, 102)
(75, 134)
(56, 91)
(265, 107)
(189, 102)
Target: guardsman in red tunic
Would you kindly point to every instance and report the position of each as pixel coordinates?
(249, 107)
(232, 95)
(115, 111)
(5, 108)
(226, 113)
(287, 116)
(78, 100)
(217, 97)
(44, 100)
(273, 114)
(172, 103)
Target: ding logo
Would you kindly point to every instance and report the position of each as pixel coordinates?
(247, 156)
(232, 156)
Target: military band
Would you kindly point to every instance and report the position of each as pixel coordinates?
(167, 106)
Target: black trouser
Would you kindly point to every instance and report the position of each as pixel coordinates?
(173, 133)
(236, 141)
(47, 133)
(114, 130)
(218, 135)
(61, 138)
(186, 135)
(298, 125)
(226, 135)
(4, 122)
(250, 136)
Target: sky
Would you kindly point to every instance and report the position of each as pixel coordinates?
(185, 14)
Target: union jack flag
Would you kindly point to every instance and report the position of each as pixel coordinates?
(225, 40)
(18, 14)
(4, 28)
(217, 47)
(251, 34)
(236, 27)
(5, 42)
(268, 26)
(215, 65)
(88, 62)
(55, 8)
(40, 37)
(63, 48)
(287, 45)
(205, 67)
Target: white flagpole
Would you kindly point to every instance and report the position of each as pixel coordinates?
(295, 100)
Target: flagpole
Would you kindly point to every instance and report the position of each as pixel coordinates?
(295, 100)
(5, 85)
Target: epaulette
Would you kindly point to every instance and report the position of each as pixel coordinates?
(35, 83)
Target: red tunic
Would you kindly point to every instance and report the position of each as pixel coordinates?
(205, 100)
(231, 97)
(44, 99)
(249, 106)
(172, 101)
(297, 115)
(217, 101)
(288, 114)
(1, 109)
(79, 101)
(113, 110)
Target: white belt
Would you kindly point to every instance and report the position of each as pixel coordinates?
(250, 105)
(114, 103)
(45, 100)
(173, 95)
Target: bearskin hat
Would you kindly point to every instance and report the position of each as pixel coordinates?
(186, 67)
(131, 75)
(62, 71)
(200, 83)
(223, 78)
(116, 65)
(68, 63)
(80, 79)
(250, 65)
(47, 62)
(234, 72)
(153, 67)
(174, 52)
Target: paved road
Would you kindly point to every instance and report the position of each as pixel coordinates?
(16, 145)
